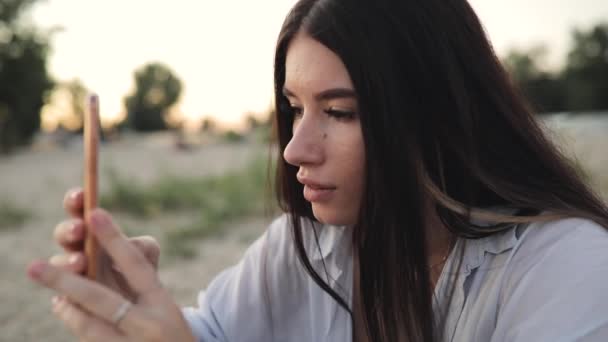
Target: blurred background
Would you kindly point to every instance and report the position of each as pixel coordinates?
(186, 102)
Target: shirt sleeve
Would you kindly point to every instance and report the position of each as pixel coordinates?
(235, 306)
(556, 290)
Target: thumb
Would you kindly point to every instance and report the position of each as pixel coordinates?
(149, 247)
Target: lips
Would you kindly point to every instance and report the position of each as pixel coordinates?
(315, 191)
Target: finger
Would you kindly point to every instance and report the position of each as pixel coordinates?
(138, 272)
(73, 262)
(83, 325)
(73, 202)
(149, 247)
(93, 297)
(69, 234)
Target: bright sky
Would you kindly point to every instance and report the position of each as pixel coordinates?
(223, 50)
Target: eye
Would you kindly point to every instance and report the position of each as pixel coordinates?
(295, 110)
(340, 113)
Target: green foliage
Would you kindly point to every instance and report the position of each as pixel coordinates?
(544, 90)
(10, 10)
(252, 122)
(586, 73)
(261, 128)
(125, 194)
(232, 137)
(156, 89)
(78, 96)
(217, 200)
(173, 193)
(23, 76)
(582, 85)
(11, 215)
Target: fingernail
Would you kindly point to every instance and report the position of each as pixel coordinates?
(75, 230)
(74, 195)
(55, 304)
(58, 302)
(73, 259)
(36, 270)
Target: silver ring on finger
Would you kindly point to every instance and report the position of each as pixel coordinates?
(121, 312)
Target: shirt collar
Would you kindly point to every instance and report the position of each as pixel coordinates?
(329, 238)
(497, 243)
(476, 250)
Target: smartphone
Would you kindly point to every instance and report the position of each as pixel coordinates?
(91, 157)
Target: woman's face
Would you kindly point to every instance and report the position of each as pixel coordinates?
(327, 142)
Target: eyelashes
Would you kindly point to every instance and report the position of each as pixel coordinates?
(340, 114)
(296, 111)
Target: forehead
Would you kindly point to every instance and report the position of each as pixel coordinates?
(312, 67)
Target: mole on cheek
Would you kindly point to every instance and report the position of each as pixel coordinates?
(324, 135)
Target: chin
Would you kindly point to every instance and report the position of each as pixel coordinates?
(332, 217)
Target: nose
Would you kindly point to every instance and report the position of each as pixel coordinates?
(306, 144)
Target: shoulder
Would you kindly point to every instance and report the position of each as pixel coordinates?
(556, 249)
(571, 240)
(554, 285)
(239, 303)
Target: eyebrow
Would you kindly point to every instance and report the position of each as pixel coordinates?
(334, 93)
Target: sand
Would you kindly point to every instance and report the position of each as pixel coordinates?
(38, 179)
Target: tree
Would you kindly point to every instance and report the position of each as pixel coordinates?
(252, 121)
(156, 89)
(586, 72)
(24, 79)
(66, 105)
(209, 125)
(545, 90)
(78, 97)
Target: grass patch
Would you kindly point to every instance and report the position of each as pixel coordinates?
(232, 137)
(217, 200)
(12, 216)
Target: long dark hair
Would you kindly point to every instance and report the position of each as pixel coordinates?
(442, 122)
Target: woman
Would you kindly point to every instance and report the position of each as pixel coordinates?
(422, 203)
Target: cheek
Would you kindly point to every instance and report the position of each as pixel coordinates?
(356, 175)
(347, 160)
(350, 160)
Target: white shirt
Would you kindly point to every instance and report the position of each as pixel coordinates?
(541, 282)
